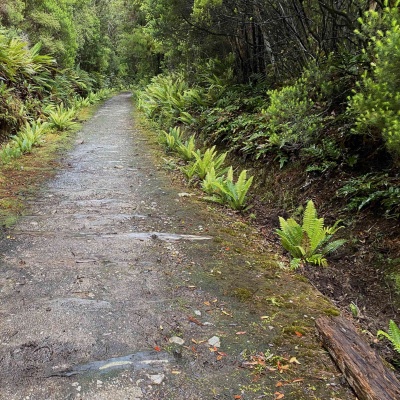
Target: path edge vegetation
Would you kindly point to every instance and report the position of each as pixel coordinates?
(275, 133)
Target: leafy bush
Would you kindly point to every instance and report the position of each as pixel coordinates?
(81, 102)
(163, 98)
(376, 103)
(393, 335)
(169, 99)
(291, 122)
(29, 81)
(225, 190)
(309, 242)
(8, 152)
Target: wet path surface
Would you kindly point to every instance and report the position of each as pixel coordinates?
(112, 266)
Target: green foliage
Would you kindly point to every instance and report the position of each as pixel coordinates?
(31, 134)
(81, 102)
(376, 103)
(203, 163)
(168, 99)
(61, 119)
(163, 98)
(52, 23)
(323, 156)
(378, 190)
(187, 150)
(172, 139)
(9, 152)
(201, 7)
(309, 242)
(225, 191)
(24, 141)
(211, 181)
(291, 122)
(393, 335)
(30, 81)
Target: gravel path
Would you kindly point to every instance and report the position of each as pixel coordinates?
(106, 276)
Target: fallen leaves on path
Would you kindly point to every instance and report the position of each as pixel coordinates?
(195, 320)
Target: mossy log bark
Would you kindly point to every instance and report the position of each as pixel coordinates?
(359, 363)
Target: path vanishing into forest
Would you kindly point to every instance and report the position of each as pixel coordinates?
(117, 285)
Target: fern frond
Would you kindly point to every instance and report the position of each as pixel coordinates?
(215, 199)
(311, 241)
(295, 263)
(314, 226)
(333, 246)
(229, 176)
(317, 259)
(291, 236)
(393, 335)
(292, 230)
(187, 149)
(334, 228)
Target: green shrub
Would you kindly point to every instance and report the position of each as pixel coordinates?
(291, 122)
(309, 242)
(163, 99)
(376, 103)
(9, 152)
(29, 136)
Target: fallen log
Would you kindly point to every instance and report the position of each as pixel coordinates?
(359, 363)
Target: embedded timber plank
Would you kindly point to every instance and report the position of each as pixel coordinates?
(359, 363)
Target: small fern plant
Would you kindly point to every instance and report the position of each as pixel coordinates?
(226, 191)
(186, 150)
(61, 118)
(203, 163)
(309, 242)
(211, 182)
(393, 335)
(172, 139)
(9, 152)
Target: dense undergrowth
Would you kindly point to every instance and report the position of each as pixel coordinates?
(332, 135)
(36, 96)
(340, 117)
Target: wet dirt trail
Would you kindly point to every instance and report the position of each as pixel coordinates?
(114, 286)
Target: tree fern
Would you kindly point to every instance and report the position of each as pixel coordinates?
(393, 335)
(310, 242)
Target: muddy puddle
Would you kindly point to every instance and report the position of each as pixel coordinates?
(141, 360)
